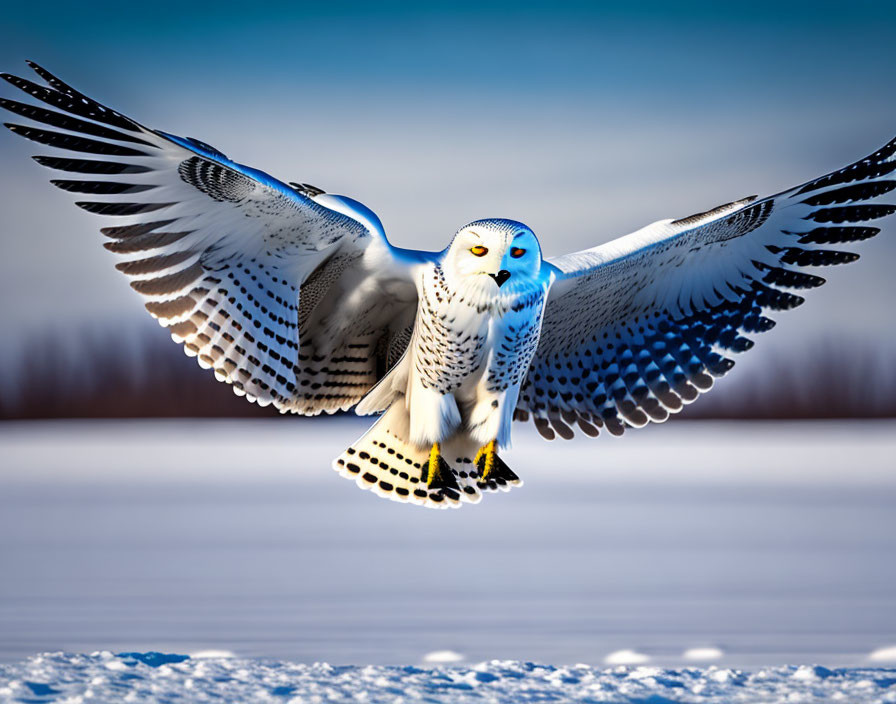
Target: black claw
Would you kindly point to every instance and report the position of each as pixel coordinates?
(443, 477)
(504, 472)
(501, 474)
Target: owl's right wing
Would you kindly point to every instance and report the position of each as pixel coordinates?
(638, 327)
(292, 295)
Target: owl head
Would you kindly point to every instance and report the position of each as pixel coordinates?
(494, 255)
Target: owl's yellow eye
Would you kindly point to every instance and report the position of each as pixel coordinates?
(516, 252)
(479, 250)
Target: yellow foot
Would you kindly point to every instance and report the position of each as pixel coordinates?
(485, 460)
(438, 473)
(493, 471)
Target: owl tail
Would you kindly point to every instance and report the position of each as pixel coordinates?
(386, 462)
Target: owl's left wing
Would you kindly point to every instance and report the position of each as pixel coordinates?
(638, 327)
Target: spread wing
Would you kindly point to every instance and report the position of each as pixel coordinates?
(638, 327)
(293, 296)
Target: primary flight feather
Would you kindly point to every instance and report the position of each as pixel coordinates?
(296, 298)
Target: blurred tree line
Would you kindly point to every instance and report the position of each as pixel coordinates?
(139, 373)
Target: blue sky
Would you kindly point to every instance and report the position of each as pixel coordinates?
(592, 50)
(584, 120)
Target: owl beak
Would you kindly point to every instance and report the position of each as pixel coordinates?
(501, 277)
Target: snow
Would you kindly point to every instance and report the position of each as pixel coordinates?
(626, 657)
(884, 654)
(759, 544)
(157, 677)
(442, 656)
(702, 654)
(204, 654)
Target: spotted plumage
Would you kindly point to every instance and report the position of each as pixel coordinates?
(445, 354)
(516, 340)
(295, 297)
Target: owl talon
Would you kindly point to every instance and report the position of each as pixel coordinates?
(438, 473)
(485, 460)
(493, 471)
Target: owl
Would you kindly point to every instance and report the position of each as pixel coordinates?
(296, 298)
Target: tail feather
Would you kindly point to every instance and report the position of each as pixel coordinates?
(384, 461)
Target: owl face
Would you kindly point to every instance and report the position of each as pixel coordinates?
(495, 255)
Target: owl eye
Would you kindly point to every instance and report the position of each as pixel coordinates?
(479, 250)
(516, 252)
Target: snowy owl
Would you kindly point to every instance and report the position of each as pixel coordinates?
(296, 298)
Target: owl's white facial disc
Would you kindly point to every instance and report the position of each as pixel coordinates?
(494, 256)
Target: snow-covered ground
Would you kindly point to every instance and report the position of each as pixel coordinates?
(106, 677)
(694, 546)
